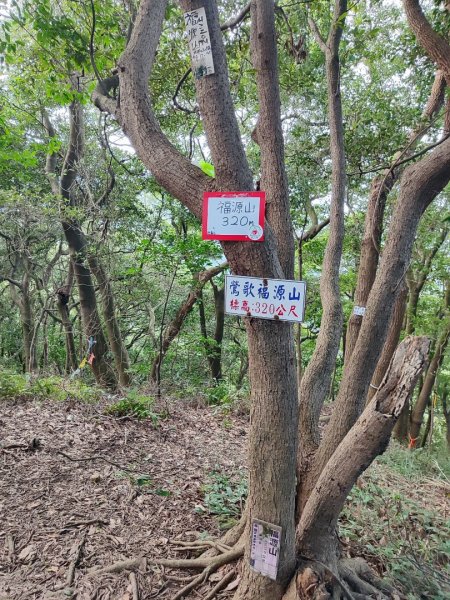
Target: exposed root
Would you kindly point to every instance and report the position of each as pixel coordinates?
(200, 545)
(122, 565)
(208, 565)
(353, 581)
(222, 583)
(134, 586)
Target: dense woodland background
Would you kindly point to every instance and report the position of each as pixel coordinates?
(153, 293)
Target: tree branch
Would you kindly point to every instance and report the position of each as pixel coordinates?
(437, 48)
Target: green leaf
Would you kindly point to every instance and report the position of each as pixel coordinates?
(207, 168)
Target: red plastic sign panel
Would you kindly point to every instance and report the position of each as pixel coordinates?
(234, 216)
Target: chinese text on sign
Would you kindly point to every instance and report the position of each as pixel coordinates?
(279, 299)
(199, 43)
(234, 216)
(265, 548)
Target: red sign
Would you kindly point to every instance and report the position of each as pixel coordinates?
(234, 216)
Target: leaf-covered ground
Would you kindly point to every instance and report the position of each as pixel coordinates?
(80, 490)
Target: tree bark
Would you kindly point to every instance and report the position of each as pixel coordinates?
(390, 344)
(420, 184)
(367, 439)
(62, 302)
(118, 348)
(427, 387)
(380, 189)
(316, 380)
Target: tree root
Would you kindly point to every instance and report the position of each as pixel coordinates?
(354, 580)
(207, 564)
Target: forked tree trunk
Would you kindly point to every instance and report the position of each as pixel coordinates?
(273, 429)
(369, 437)
(63, 188)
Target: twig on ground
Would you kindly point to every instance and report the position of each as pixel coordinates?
(74, 562)
(71, 525)
(134, 586)
(97, 457)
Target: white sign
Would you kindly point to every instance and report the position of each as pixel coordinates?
(359, 310)
(199, 43)
(277, 299)
(265, 548)
(233, 216)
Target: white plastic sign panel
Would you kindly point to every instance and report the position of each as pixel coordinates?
(199, 43)
(277, 299)
(265, 548)
(234, 216)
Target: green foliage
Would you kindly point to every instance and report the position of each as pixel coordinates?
(12, 385)
(134, 405)
(224, 496)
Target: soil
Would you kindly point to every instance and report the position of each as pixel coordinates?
(81, 490)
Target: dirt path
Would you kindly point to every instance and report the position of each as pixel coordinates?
(54, 510)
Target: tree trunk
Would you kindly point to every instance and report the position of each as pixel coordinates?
(381, 187)
(446, 411)
(366, 439)
(427, 387)
(390, 344)
(63, 295)
(118, 348)
(92, 327)
(174, 327)
(213, 346)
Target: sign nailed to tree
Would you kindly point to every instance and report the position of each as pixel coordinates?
(199, 43)
(233, 216)
(265, 548)
(277, 299)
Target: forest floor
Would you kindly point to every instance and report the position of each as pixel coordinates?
(81, 490)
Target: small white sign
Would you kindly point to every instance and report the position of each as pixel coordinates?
(265, 548)
(359, 310)
(277, 299)
(233, 216)
(199, 43)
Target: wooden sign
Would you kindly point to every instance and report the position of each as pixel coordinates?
(278, 299)
(233, 216)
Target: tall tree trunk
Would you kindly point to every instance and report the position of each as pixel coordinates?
(92, 326)
(64, 188)
(63, 295)
(118, 348)
(316, 381)
(446, 411)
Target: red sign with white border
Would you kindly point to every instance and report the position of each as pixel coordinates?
(234, 216)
